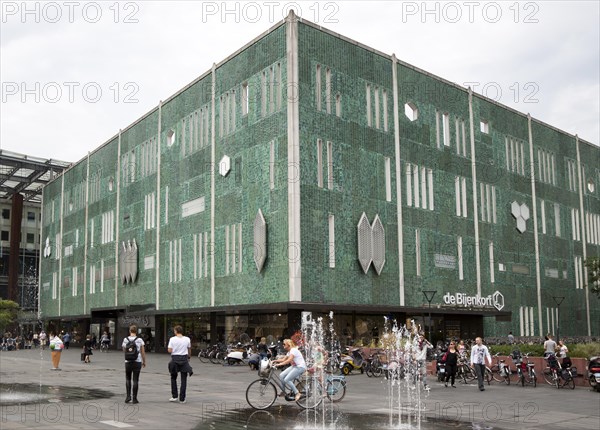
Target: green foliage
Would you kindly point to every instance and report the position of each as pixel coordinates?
(584, 350)
(581, 350)
(9, 311)
(534, 350)
(593, 265)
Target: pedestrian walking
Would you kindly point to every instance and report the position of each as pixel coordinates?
(180, 348)
(87, 349)
(421, 356)
(43, 338)
(56, 347)
(134, 361)
(67, 340)
(480, 353)
(451, 364)
(511, 338)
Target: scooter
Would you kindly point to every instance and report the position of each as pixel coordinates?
(440, 366)
(352, 361)
(239, 354)
(594, 373)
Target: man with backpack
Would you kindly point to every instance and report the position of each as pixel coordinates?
(135, 359)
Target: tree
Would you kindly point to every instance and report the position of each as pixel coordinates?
(593, 265)
(9, 311)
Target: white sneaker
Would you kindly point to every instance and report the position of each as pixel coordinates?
(173, 399)
(427, 388)
(182, 401)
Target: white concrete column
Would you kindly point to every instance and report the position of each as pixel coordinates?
(580, 185)
(474, 182)
(398, 180)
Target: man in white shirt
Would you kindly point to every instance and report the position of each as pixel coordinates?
(421, 357)
(479, 353)
(180, 348)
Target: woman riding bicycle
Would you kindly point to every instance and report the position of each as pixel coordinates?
(105, 340)
(297, 367)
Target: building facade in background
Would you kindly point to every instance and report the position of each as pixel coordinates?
(308, 172)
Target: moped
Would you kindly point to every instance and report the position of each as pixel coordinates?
(352, 361)
(594, 373)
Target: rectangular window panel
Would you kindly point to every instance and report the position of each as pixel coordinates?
(464, 196)
(388, 179)
(319, 163)
(418, 251)
(245, 99)
(385, 110)
(543, 214)
(272, 165)
(423, 187)
(368, 95)
(460, 258)
(408, 185)
(376, 103)
(446, 128)
(437, 129)
(491, 252)
(331, 241)
(430, 184)
(328, 89)
(557, 219)
(330, 165)
(318, 87)
(416, 183)
(457, 195)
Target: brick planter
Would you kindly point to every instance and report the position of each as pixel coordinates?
(540, 365)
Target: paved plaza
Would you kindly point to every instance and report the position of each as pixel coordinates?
(91, 396)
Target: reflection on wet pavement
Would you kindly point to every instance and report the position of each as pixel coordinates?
(291, 417)
(15, 394)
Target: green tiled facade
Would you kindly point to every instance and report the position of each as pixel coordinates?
(307, 109)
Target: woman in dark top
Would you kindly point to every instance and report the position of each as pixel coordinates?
(451, 362)
(263, 349)
(87, 348)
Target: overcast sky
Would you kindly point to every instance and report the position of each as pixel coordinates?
(74, 73)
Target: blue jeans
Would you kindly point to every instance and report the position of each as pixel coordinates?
(288, 376)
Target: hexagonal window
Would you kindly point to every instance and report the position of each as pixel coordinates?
(170, 137)
(411, 111)
(591, 186)
(224, 165)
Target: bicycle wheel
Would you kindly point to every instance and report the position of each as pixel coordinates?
(488, 375)
(261, 394)
(203, 356)
(311, 393)
(368, 370)
(548, 376)
(556, 379)
(571, 383)
(336, 390)
(506, 377)
(534, 378)
(496, 374)
(376, 369)
(462, 374)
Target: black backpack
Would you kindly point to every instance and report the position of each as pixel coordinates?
(131, 351)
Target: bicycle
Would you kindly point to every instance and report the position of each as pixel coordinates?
(104, 347)
(373, 367)
(525, 370)
(262, 393)
(560, 377)
(500, 371)
(464, 372)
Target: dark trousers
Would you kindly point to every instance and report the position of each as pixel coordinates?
(132, 369)
(184, 376)
(450, 372)
(480, 371)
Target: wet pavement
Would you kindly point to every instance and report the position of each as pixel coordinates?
(91, 396)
